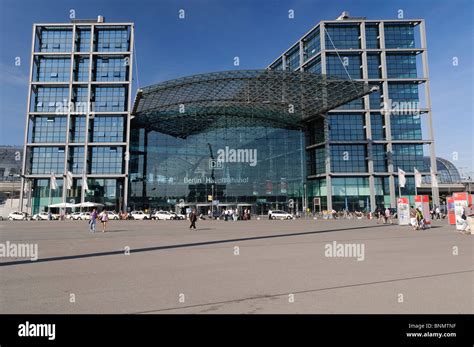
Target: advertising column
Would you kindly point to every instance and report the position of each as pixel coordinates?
(403, 211)
(423, 203)
(450, 210)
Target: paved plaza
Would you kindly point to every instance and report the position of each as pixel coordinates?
(257, 266)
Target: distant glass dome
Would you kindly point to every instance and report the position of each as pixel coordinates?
(447, 172)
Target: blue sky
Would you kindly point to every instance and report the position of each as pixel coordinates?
(257, 31)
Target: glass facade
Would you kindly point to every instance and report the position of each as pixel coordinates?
(345, 141)
(261, 167)
(70, 125)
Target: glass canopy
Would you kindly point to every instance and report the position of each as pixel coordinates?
(246, 98)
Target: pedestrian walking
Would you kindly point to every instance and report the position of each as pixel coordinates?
(468, 220)
(413, 220)
(92, 221)
(438, 213)
(226, 215)
(388, 216)
(192, 219)
(104, 218)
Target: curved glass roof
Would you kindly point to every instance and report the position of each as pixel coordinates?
(447, 172)
(241, 98)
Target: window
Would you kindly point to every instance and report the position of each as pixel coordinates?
(407, 156)
(83, 40)
(45, 160)
(346, 127)
(348, 158)
(54, 40)
(278, 65)
(314, 66)
(342, 36)
(78, 129)
(377, 126)
(48, 129)
(401, 66)
(337, 65)
(108, 129)
(80, 99)
(375, 98)
(379, 157)
(371, 33)
(52, 69)
(50, 99)
(109, 99)
(399, 36)
(405, 127)
(112, 39)
(76, 159)
(403, 92)
(106, 160)
(373, 63)
(320, 160)
(293, 60)
(81, 73)
(311, 45)
(110, 69)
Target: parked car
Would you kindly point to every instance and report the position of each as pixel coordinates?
(179, 216)
(85, 216)
(139, 215)
(278, 214)
(165, 215)
(44, 216)
(112, 215)
(74, 215)
(18, 216)
(80, 216)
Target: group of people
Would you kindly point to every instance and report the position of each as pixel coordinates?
(229, 213)
(436, 213)
(417, 219)
(103, 217)
(384, 216)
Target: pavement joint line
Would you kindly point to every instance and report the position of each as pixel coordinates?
(175, 246)
(268, 296)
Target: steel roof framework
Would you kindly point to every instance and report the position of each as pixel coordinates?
(241, 98)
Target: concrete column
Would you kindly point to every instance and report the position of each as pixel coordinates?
(25, 140)
(129, 117)
(386, 115)
(424, 57)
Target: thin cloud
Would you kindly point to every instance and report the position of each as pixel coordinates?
(12, 75)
